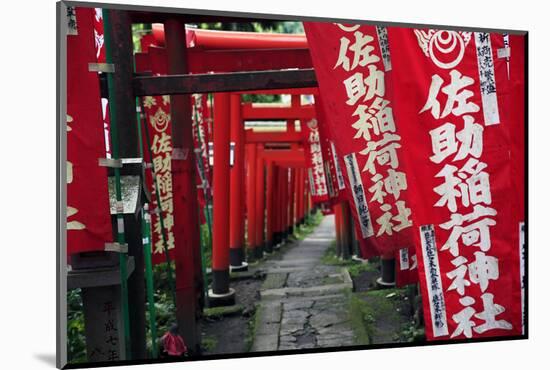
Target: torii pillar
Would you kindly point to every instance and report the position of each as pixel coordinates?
(291, 194)
(220, 293)
(251, 199)
(237, 257)
(276, 206)
(260, 204)
(270, 198)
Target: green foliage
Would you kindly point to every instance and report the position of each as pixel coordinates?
(258, 98)
(263, 26)
(206, 244)
(311, 222)
(138, 30)
(76, 339)
(411, 333)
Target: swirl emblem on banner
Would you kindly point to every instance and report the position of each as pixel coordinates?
(444, 48)
(160, 120)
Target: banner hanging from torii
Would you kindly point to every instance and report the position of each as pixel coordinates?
(88, 217)
(353, 71)
(426, 110)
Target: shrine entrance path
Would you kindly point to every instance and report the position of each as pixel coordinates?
(304, 303)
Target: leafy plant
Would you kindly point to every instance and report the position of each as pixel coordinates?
(76, 339)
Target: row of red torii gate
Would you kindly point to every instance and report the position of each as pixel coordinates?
(251, 172)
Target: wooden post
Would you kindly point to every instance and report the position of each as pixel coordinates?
(121, 50)
(189, 283)
(346, 230)
(237, 256)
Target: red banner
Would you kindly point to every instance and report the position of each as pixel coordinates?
(156, 111)
(157, 118)
(88, 217)
(333, 174)
(99, 43)
(457, 148)
(314, 161)
(201, 138)
(353, 70)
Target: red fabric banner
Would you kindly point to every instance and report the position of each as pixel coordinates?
(353, 70)
(157, 117)
(516, 68)
(314, 161)
(457, 148)
(99, 43)
(201, 135)
(156, 111)
(333, 172)
(88, 216)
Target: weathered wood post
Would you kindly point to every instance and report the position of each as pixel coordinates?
(122, 100)
(347, 230)
(189, 283)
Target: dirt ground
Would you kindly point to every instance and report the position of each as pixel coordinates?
(229, 334)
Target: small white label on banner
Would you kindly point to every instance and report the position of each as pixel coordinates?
(339, 174)
(330, 187)
(359, 198)
(503, 53)
(311, 182)
(145, 241)
(382, 33)
(403, 259)
(522, 272)
(487, 81)
(433, 281)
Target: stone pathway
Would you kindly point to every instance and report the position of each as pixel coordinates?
(303, 302)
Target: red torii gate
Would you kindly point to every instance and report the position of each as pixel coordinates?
(210, 62)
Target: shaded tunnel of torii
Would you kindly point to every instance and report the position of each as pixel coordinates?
(271, 166)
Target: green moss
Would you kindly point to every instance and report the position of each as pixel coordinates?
(360, 322)
(253, 323)
(358, 268)
(218, 312)
(370, 307)
(209, 343)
